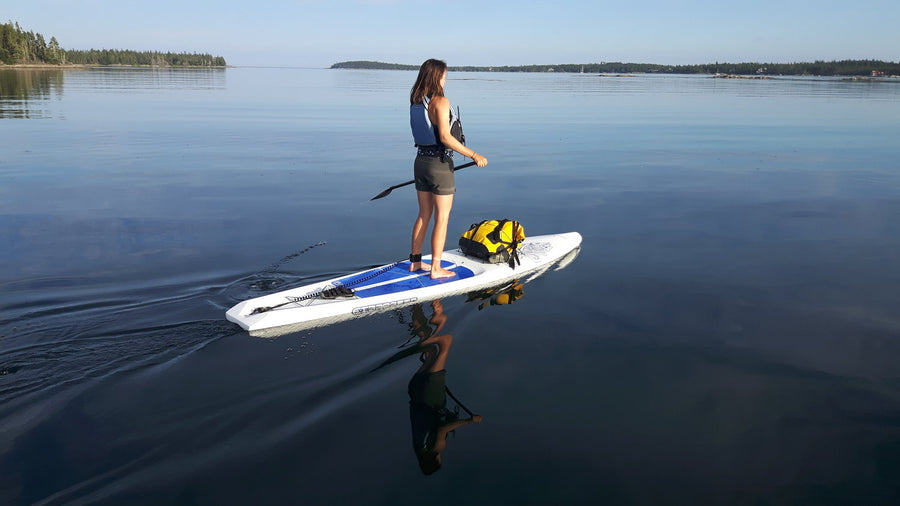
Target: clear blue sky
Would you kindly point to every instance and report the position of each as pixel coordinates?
(317, 33)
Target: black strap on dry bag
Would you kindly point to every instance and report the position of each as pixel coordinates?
(514, 248)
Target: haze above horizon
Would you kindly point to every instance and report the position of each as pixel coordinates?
(317, 33)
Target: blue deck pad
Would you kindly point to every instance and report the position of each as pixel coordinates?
(399, 279)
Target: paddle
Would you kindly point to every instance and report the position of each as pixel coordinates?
(472, 415)
(387, 192)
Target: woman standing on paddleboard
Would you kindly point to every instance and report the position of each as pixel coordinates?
(433, 130)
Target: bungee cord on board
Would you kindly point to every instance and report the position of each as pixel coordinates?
(337, 291)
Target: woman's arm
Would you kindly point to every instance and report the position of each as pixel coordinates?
(440, 107)
(440, 440)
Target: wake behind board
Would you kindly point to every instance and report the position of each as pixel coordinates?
(393, 286)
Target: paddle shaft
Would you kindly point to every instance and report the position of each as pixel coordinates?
(387, 192)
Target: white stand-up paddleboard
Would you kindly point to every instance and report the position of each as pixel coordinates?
(393, 286)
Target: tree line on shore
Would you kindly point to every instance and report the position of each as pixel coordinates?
(20, 47)
(817, 68)
(143, 58)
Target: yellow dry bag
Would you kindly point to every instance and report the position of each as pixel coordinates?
(493, 241)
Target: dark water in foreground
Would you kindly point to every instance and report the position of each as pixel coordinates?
(728, 334)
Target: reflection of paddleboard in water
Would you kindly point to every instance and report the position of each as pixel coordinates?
(393, 286)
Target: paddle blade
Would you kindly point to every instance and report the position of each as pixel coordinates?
(387, 192)
(383, 194)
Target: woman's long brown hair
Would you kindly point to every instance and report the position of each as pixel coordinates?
(428, 83)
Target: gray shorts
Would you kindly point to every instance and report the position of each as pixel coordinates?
(434, 176)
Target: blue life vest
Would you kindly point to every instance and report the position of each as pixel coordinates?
(424, 133)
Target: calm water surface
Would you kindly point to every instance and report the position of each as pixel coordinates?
(729, 333)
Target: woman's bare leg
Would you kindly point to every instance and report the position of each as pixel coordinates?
(420, 228)
(442, 206)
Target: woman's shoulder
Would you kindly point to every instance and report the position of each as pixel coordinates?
(440, 101)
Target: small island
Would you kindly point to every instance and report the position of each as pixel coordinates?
(29, 49)
(845, 68)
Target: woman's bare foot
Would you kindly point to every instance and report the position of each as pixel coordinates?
(441, 273)
(419, 266)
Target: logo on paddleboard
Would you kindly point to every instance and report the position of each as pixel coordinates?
(535, 250)
(384, 306)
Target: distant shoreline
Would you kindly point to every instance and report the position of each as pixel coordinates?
(843, 68)
(27, 49)
(42, 66)
(73, 66)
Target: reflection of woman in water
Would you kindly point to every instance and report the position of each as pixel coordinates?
(431, 420)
